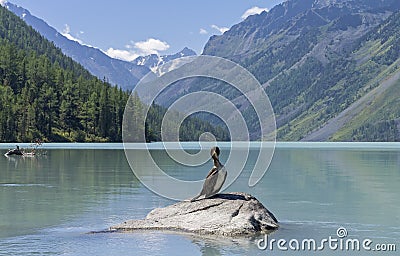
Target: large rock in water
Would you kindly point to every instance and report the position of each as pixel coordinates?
(232, 214)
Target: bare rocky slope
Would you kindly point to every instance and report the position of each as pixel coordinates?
(316, 59)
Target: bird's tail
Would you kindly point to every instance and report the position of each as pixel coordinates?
(195, 198)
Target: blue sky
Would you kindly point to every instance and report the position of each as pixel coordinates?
(127, 28)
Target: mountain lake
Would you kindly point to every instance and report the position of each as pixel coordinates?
(331, 193)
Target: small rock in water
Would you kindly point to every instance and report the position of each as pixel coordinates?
(231, 214)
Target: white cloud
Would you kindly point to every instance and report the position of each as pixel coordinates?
(252, 11)
(220, 29)
(67, 33)
(121, 54)
(2, 2)
(136, 49)
(203, 31)
(151, 46)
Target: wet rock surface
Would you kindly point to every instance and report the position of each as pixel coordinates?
(230, 214)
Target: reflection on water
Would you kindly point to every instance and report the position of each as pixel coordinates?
(48, 203)
(45, 190)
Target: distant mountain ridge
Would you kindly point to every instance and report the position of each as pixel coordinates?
(124, 74)
(331, 68)
(289, 19)
(117, 72)
(321, 62)
(46, 95)
(316, 59)
(154, 61)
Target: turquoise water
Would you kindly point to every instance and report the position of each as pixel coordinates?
(49, 203)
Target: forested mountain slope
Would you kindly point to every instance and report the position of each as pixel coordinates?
(118, 72)
(46, 95)
(315, 58)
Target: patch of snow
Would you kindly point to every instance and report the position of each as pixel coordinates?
(141, 62)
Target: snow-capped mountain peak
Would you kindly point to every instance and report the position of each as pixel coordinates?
(154, 61)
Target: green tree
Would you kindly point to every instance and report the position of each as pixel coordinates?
(68, 108)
